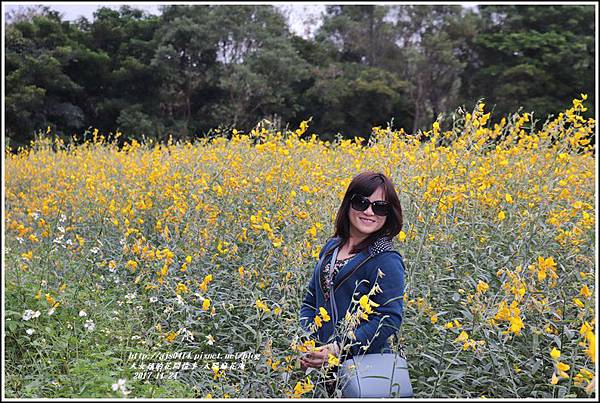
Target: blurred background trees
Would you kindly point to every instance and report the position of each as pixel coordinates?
(196, 68)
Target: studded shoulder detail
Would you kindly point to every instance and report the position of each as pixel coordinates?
(382, 244)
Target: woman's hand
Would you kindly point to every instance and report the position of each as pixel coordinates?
(316, 358)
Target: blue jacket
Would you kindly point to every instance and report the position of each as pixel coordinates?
(378, 257)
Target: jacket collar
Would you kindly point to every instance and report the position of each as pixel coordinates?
(380, 245)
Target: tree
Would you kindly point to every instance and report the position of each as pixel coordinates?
(431, 61)
(261, 71)
(38, 92)
(535, 57)
(186, 59)
(360, 33)
(128, 85)
(359, 88)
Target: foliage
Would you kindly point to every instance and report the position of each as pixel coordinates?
(197, 67)
(537, 56)
(207, 246)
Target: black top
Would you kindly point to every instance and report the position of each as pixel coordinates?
(325, 273)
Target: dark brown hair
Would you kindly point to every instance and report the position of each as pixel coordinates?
(365, 184)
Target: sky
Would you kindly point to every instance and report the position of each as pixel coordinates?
(298, 12)
(303, 17)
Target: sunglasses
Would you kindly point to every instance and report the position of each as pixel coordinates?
(361, 203)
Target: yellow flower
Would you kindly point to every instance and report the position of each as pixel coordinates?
(303, 387)
(204, 285)
(482, 286)
(516, 324)
(434, 319)
(51, 301)
(462, 337)
(562, 366)
(132, 264)
(261, 305)
(547, 263)
(318, 321)
(206, 304)
(171, 336)
(578, 302)
(333, 360)
(555, 353)
(585, 328)
(181, 288)
(591, 350)
(501, 215)
(324, 314)
(554, 379)
(308, 345)
(541, 275)
(366, 304)
(585, 291)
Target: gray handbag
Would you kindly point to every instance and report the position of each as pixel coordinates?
(375, 375)
(372, 375)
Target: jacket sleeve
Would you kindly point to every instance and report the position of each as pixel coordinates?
(387, 317)
(308, 309)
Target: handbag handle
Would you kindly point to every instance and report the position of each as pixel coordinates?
(332, 291)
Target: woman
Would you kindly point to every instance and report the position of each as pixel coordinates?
(369, 217)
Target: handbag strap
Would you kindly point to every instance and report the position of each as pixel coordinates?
(332, 291)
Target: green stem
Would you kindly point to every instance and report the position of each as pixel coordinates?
(437, 370)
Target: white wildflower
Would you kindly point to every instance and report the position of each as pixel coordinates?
(51, 312)
(130, 297)
(120, 386)
(89, 325)
(153, 299)
(95, 250)
(82, 313)
(210, 340)
(29, 314)
(30, 331)
(187, 334)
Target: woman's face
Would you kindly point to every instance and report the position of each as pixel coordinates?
(364, 223)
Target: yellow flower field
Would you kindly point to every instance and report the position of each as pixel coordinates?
(205, 248)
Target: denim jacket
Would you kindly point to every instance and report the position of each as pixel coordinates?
(379, 262)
